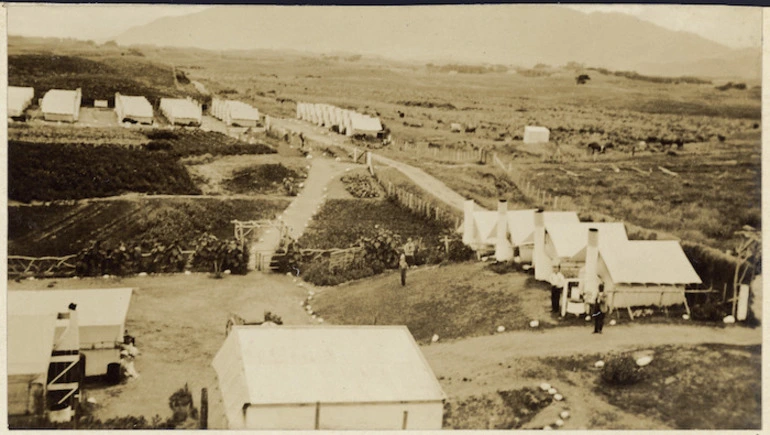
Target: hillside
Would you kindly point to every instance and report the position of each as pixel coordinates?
(519, 35)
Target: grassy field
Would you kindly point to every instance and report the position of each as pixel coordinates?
(713, 195)
(455, 301)
(65, 229)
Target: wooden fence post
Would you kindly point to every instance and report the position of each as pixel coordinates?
(204, 421)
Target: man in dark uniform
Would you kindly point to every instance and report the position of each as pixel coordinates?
(599, 310)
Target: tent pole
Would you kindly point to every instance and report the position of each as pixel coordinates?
(406, 417)
(317, 415)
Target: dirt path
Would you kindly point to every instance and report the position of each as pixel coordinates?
(300, 212)
(486, 364)
(420, 177)
(477, 352)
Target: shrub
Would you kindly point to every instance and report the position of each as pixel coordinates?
(621, 371)
(709, 310)
(360, 186)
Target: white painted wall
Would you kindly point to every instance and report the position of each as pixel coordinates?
(375, 416)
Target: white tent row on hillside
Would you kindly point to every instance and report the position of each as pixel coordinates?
(18, 100)
(181, 111)
(61, 105)
(506, 229)
(328, 378)
(133, 109)
(233, 112)
(102, 318)
(346, 121)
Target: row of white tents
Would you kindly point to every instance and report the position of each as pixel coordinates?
(634, 273)
(347, 122)
(235, 113)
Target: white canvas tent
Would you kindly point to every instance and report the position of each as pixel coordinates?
(181, 111)
(644, 273)
(534, 134)
(480, 228)
(327, 377)
(19, 99)
(61, 105)
(30, 342)
(102, 317)
(565, 243)
(132, 108)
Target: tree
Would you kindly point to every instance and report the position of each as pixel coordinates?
(210, 250)
(582, 79)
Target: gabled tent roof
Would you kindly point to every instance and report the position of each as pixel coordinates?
(96, 307)
(239, 110)
(521, 223)
(648, 262)
(60, 101)
(328, 364)
(486, 225)
(570, 240)
(136, 106)
(366, 123)
(182, 108)
(30, 342)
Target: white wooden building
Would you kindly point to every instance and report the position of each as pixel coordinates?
(535, 134)
(61, 105)
(133, 109)
(327, 377)
(181, 111)
(102, 319)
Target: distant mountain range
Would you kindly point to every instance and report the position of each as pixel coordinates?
(521, 35)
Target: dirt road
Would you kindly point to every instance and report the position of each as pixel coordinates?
(484, 365)
(420, 177)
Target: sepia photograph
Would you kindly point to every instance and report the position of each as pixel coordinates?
(392, 217)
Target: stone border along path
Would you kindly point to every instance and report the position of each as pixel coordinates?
(300, 212)
(431, 184)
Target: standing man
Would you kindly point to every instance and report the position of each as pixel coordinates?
(599, 310)
(557, 286)
(402, 266)
(301, 141)
(409, 249)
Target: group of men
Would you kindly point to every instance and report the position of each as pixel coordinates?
(596, 305)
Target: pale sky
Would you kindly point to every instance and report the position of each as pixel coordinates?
(734, 26)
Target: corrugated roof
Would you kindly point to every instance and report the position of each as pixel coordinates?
(30, 342)
(60, 101)
(328, 364)
(136, 106)
(570, 240)
(521, 223)
(96, 307)
(649, 262)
